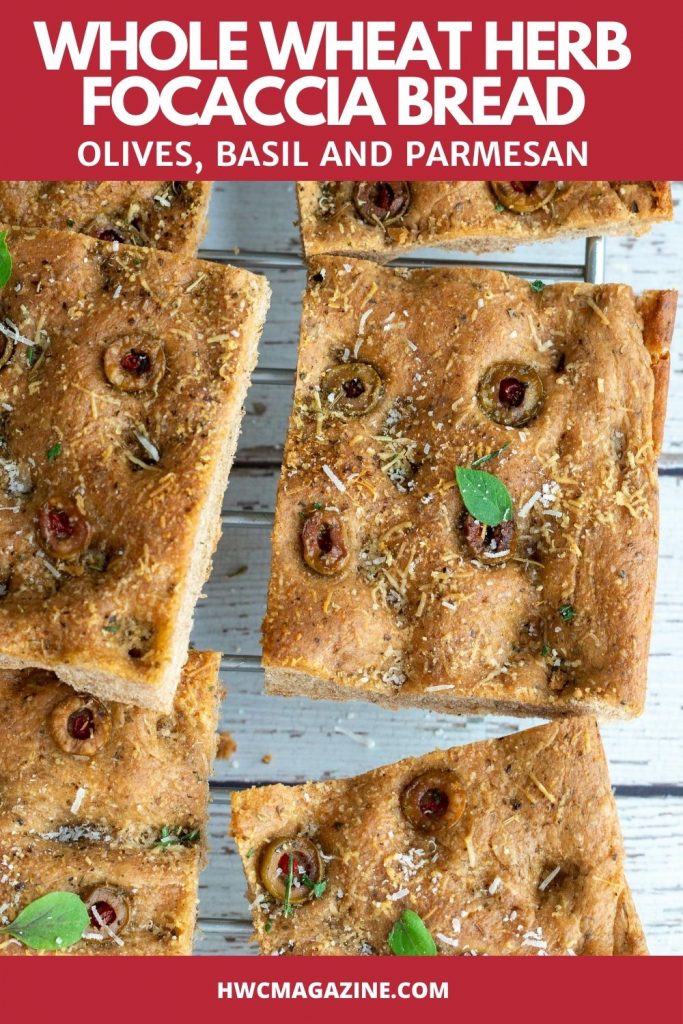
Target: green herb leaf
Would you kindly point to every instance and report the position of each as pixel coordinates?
(499, 208)
(5, 260)
(317, 888)
(567, 612)
(32, 355)
(545, 651)
(287, 905)
(410, 936)
(54, 452)
(54, 921)
(177, 836)
(491, 455)
(537, 286)
(268, 927)
(485, 496)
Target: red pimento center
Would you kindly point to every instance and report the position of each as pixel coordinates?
(383, 195)
(353, 388)
(298, 869)
(105, 912)
(110, 235)
(60, 524)
(525, 187)
(136, 362)
(433, 803)
(511, 392)
(81, 724)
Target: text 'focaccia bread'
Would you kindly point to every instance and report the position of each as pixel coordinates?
(124, 372)
(388, 580)
(508, 847)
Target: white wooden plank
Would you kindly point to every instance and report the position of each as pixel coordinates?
(653, 836)
(299, 734)
(260, 217)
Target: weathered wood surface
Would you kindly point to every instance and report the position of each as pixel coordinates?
(299, 738)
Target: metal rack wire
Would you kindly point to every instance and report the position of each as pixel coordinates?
(592, 270)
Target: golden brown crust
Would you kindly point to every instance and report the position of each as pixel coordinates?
(132, 817)
(144, 469)
(168, 215)
(151, 771)
(414, 618)
(159, 886)
(658, 310)
(535, 865)
(466, 215)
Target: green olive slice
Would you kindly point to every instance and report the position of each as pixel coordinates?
(63, 530)
(434, 800)
(382, 202)
(6, 350)
(322, 542)
(511, 393)
(80, 724)
(523, 196)
(490, 544)
(305, 860)
(109, 909)
(134, 362)
(351, 389)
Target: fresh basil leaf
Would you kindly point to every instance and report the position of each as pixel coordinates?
(5, 260)
(410, 936)
(486, 498)
(54, 921)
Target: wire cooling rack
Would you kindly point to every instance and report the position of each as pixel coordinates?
(592, 270)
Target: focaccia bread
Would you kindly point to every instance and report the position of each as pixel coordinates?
(167, 215)
(146, 898)
(123, 376)
(109, 802)
(73, 767)
(385, 219)
(382, 586)
(509, 847)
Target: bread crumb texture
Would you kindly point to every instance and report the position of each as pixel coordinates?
(102, 798)
(382, 586)
(382, 220)
(525, 860)
(122, 382)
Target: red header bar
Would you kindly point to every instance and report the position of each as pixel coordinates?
(198, 92)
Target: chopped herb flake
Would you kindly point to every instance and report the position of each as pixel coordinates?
(317, 888)
(177, 836)
(500, 208)
(537, 286)
(545, 651)
(567, 612)
(287, 906)
(54, 452)
(491, 455)
(5, 260)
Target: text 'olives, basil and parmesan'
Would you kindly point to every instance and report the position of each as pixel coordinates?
(63, 530)
(351, 389)
(511, 393)
(290, 869)
(434, 800)
(80, 724)
(381, 202)
(134, 362)
(322, 542)
(523, 196)
(109, 909)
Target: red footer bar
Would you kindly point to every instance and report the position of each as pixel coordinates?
(511, 990)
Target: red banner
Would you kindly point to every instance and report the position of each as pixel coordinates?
(564, 991)
(175, 92)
